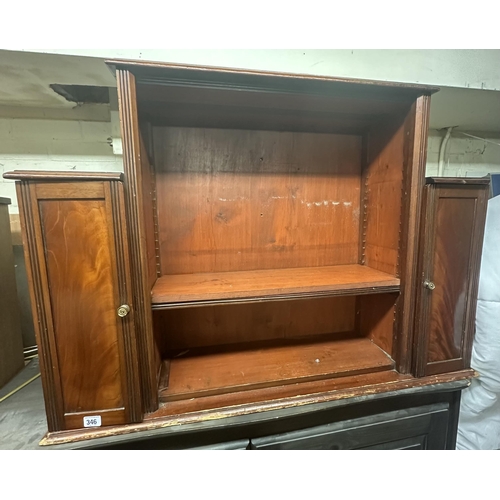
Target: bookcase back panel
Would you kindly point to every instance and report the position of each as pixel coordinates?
(241, 323)
(236, 200)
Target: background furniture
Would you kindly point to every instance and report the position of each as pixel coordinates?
(11, 342)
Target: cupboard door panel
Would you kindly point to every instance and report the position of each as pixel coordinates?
(75, 240)
(451, 242)
(450, 275)
(83, 303)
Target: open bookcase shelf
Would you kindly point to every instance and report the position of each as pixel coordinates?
(186, 290)
(281, 363)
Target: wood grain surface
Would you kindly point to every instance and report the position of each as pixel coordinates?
(80, 278)
(148, 199)
(61, 176)
(415, 156)
(451, 242)
(137, 200)
(175, 290)
(259, 398)
(246, 370)
(454, 225)
(383, 192)
(238, 200)
(188, 328)
(166, 73)
(376, 319)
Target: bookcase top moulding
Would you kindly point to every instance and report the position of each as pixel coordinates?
(161, 72)
(239, 98)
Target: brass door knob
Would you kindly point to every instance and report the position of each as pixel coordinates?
(123, 310)
(429, 285)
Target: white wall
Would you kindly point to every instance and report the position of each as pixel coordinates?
(48, 144)
(477, 69)
(465, 156)
(51, 144)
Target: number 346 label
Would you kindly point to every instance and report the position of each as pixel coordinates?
(92, 421)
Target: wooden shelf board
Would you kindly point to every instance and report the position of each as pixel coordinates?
(227, 372)
(185, 290)
(261, 397)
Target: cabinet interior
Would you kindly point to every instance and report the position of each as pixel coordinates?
(273, 219)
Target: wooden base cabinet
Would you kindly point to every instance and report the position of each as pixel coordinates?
(402, 420)
(272, 244)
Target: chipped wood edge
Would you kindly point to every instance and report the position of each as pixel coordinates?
(406, 383)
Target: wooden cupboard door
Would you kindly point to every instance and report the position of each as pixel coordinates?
(454, 214)
(82, 271)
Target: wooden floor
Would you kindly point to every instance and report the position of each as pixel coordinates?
(226, 372)
(271, 284)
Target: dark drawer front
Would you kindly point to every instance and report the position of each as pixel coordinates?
(415, 428)
(244, 444)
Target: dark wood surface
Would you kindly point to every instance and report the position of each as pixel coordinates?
(315, 186)
(414, 164)
(84, 190)
(274, 396)
(127, 340)
(192, 97)
(237, 200)
(137, 174)
(175, 290)
(376, 314)
(450, 259)
(454, 226)
(161, 72)
(251, 118)
(279, 415)
(83, 303)
(11, 340)
(382, 220)
(40, 304)
(148, 189)
(181, 95)
(75, 243)
(42, 175)
(461, 181)
(246, 370)
(382, 193)
(188, 328)
(22, 421)
(421, 428)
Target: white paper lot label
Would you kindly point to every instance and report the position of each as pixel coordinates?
(92, 421)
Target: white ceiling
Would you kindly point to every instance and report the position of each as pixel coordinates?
(26, 77)
(459, 68)
(467, 109)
